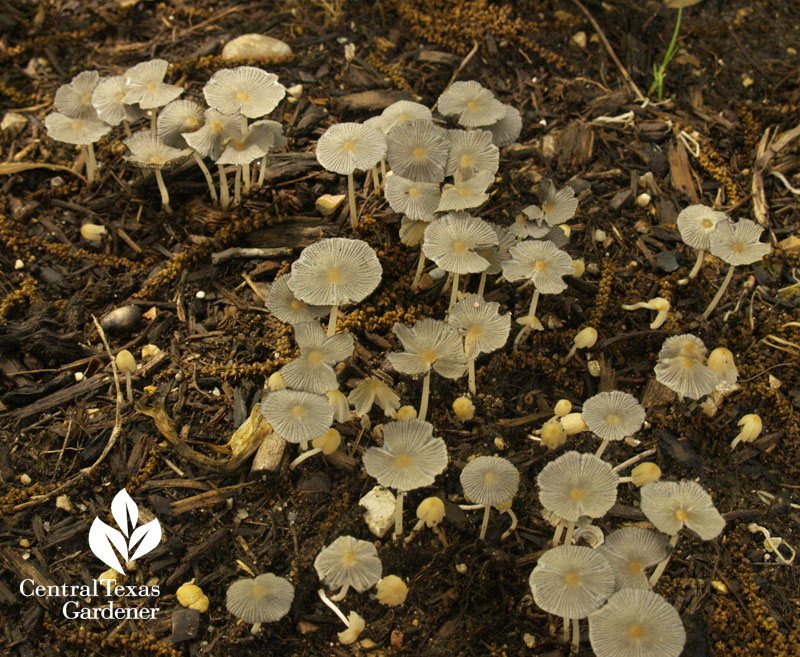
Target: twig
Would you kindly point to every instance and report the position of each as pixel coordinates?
(239, 252)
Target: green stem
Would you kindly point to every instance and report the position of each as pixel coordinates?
(659, 73)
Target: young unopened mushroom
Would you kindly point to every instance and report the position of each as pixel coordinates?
(262, 599)
(405, 413)
(93, 232)
(282, 303)
(296, 416)
(335, 272)
(341, 409)
(313, 370)
(489, 481)
(506, 130)
(695, 224)
(148, 152)
(659, 304)
(471, 152)
(636, 622)
(463, 408)
(466, 193)
(751, 429)
(584, 339)
(473, 103)
(630, 551)
(410, 458)
(81, 132)
(108, 100)
(372, 390)
(348, 563)
(737, 244)
(418, 150)
(573, 423)
(612, 416)
(430, 513)
(326, 444)
(552, 434)
(391, 590)
(75, 99)
(126, 363)
(644, 473)
(722, 364)
(146, 87)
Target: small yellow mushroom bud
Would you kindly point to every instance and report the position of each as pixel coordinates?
(430, 511)
(191, 596)
(391, 590)
(584, 339)
(93, 232)
(659, 304)
(328, 442)
(751, 429)
(356, 626)
(25, 479)
(405, 413)
(579, 266)
(573, 423)
(276, 382)
(464, 409)
(553, 434)
(341, 409)
(645, 473)
(562, 407)
(720, 361)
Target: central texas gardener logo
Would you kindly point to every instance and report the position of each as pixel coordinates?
(131, 542)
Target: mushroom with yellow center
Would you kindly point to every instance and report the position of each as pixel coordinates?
(296, 416)
(313, 370)
(557, 205)
(372, 390)
(282, 303)
(81, 132)
(472, 103)
(465, 194)
(108, 100)
(695, 224)
(686, 376)
(348, 563)
(613, 416)
(391, 590)
(255, 142)
(75, 98)
(145, 86)
(471, 153)
(489, 481)
(262, 599)
(148, 152)
(418, 150)
(630, 551)
(126, 363)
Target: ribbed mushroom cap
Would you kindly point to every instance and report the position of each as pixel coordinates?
(571, 581)
(540, 262)
(418, 150)
(613, 415)
(451, 242)
(474, 104)
(489, 480)
(74, 131)
(498, 253)
(737, 244)
(345, 147)
(575, 485)
(506, 130)
(530, 223)
(430, 343)
(312, 371)
(75, 99)
(416, 200)
(146, 86)
(686, 376)
(465, 194)
(217, 129)
(297, 416)
(372, 390)
(282, 303)
(696, 223)
(636, 623)
(256, 143)
(335, 271)
(350, 562)
(262, 599)
(558, 205)
(412, 232)
(108, 100)
(471, 152)
(683, 345)
(178, 117)
(150, 153)
(245, 90)
(672, 505)
(631, 550)
(410, 457)
(402, 111)
(484, 328)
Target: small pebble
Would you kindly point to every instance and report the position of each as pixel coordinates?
(24, 542)
(121, 319)
(461, 568)
(25, 480)
(257, 47)
(19, 264)
(200, 295)
(79, 376)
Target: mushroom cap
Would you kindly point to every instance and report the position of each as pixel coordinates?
(312, 371)
(558, 205)
(210, 139)
(146, 86)
(683, 345)
(671, 505)
(372, 390)
(402, 111)
(506, 130)
(431, 511)
(391, 590)
(335, 271)
(686, 376)
(416, 200)
(355, 626)
(630, 550)
(178, 117)
(412, 232)
(431, 343)
(498, 253)
(636, 623)
(107, 99)
(75, 99)
(345, 147)
(262, 599)
(297, 416)
(471, 152)
(450, 241)
(245, 90)
(696, 223)
(485, 329)
(418, 150)
(571, 581)
(613, 415)
(721, 362)
(541, 262)
(256, 143)
(410, 457)
(530, 223)
(282, 303)
(489, 480)
(349, 561)
(74, 131)
(737, 244)
(150, 153)
(474, 104)
(464, 194)
(575, 485)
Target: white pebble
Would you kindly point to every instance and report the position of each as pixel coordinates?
(200, 294)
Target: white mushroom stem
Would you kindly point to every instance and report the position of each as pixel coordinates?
(351, 198)
(453, 293)
(91, 163)
(163, 189)
(154, 121)
(128, 387)
(340, 595)
(329, 602)
(720, 292)
(262, 171)
(576, 635)
(487, 510)
(237, 186)
(570, 532)
(698, 264)
(127, 127)
(255, 629)
(90, 170)
(471, 378)
(426, 393)
(420, 269)
(207, 174)
(513, 526)
(245, 168)
(224, 196)
(571, 352)
(565, 636)
(482, 284)
(332, 320)
(398, 515)
(303, 457)
(383, 172)
(661, 567)
(557, 534)
(376, 183)
(602, 448)
(634, 459)
(531, 314)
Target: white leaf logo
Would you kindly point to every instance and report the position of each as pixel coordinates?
(104, 538)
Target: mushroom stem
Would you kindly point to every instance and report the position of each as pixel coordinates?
(571, 352)
(303, 457)
(383, 172)
(154, 121)
(262, 172)
(163, 189)
(246, 178)
(351, 197)
(332, 320)
(342, 592)
(485, 524)
(720, 292)
(565, 635)
(128, 387)
(207, 174)
(570, 532)
(237, 186)
(127, 127)
(602, 448)
(482, 284)
(89, 170)
(513, 526)
(224, 196)
(471, 370)
(91, 163)
(453, 293)
(255, 629)
(398, 516)
(534, 303)
(420, 269)
(634, 459)
(426, 392)
(329, 603)
(376, 183)
(557, 534)
(531, 315)
(470, 507)
(576, 635)
(698, 263)
(661, 567)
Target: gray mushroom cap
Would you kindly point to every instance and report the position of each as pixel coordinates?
(178, 117)
(74, 131)
(108, 99)
(418, 150)
(349, 561)
(613, 415)
(312, 371)
(75, 99)
(297, 416)
(150, 153)
(210, 139)
(282, 303)
(506, 130)
(431, 343)
(345, 147)
(542, 262)
(146, 86)
(245, 90)
(452, 241)
(473, 103)
(489, 480)
(672, 505)
(631, 550)
(262, 599)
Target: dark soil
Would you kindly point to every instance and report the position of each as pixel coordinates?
(735, 82)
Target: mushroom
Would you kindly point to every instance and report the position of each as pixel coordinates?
(347, 563)
(244, 91)
(721, 363)
(430, 513)
(418, 150)
(686, 376)
(402, 111)
(410, 458)
(341, 409)
(463, 408)
(507, 129)
(489, 481)
(431, 344)
(255, 142)
(466, 193)
(417, 200)
(571, 581)
(146, 87)
(552, 434)
(335, 272)
(737, 244)
(391, 590)
(313, 371)
(75, 99)
(148, 152)
(630, 551)
(327, 444)
(484, 329)
(695, 224)
(530, 223)
(262, 599)
(297, 416)
(636, 622)
(557, 205)
(683, 345)
(372, 390)
(81, 132)
(612, 415)
(345, 147)
(495, 254)
(93, 232)
(126, 363)
(282, 303)
(644, 473)
(471, 152)
(108, 101)
(473, 103)
(672, 505)
(659, 304)
(751, 429)
(584, 339)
